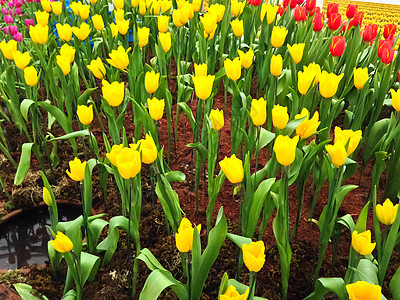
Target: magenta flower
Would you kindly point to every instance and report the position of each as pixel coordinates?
(18, 11)
(29, 22)
(8, 19)
(18, 36)
(4, 11)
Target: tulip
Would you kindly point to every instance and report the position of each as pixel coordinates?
(114, 30)
(254, 255)
(84, 11)
(280, 116)
(46, 5)
(395, 98)
(98, 22)
(232, 294)
(310, 5)
(8, 19)
(304, 80)
(285, 149)
(293, 4)
(237, 7)
(329, 83)
(296, 52)
(348, 137)
(147, 148)
(389, 29)
(276, 65)
(387, 212)
(237, 27)
(115, 151)
(196, 5)
(203, 86)
(29, 22)
(357, 20)
(119, 58)
(143, 36)
(308, 126)
(64, 63)
(361, 242)
(232, 168)
(47, 197)
(97, 68)
(233, 68)
(39, 34)
(209, 22)
(184, 236)
(360, 77)
(113, 93)
(74, 6)
(218, 10)
(269, 11)
(165, 40)
(77, 168)
(334, 21)
(285, 3)
(68, 51)
(278, 36)
(128, 163)
(338, 154)
(316, 69)
(300, 14)
(177, 17)
(363, 290)
(62, 243)
(142, 7)
(119, 4)
(318, 22)
(57, 7)
(31, 76)
(42, 17)
(370, 32)
(123, 26)
(18, 37)
(254, 2)
(81, 32)
(64, 32)
(382, 45)
(338, 44)
(8, 49)
(200, 70)
(387, 55)
(333, 8)
(85, 114)
(258, 111)
(217, 119)
(163, 22)
(21, 59)
(246, 59)
(151, 81)
(166, 5)
(351, 11)
(156, 108)
(119, 14)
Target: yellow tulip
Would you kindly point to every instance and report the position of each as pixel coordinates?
(328, 84)
(85, 114)
(119, 58)
(151, 81)
(184, 236)
(232, 294)
(143, 35)
(280, 116)
(142, 7)
(113, 93)
(258, 111)
(179, 17)
(31, 76)
(387, 212)
(119, 4)
(62, 243)
(285, 149)
(316, 69)
(296, 52)
(119, 14)
(77, 168)
(46, 5)
(209, 22)
(361, 242)
(68, 52)
(21, 59)
(39, 34)
(64, 64)
(308, 126)
(115, 151)
(75, 7)
(47, 197)
(196, 5)
(128, 163)
(217, 10)
(64, 32)
(155, 8)
(270, 11)
(246, 59)
(98, 22)
(217, 119)
(165, 40)
(57, 7)
(254, 255)
(97, 68)
(360, 77)
(338, 154)
(200, 70)
(304, 80)
(135, 3)
(203, 86)
(361, 290)
(348, 136)
(123, 26)
(232, 168)
(165, 5)
(233, 68)
(9, 49)
(163, 22)
(42, 17)
(81, 32)
(156, 108)
(395, 99)
(84, 11)
(114, 29)
(276, 65)
(147, 148)
(237, 7)
(237, 27)
(278, 36)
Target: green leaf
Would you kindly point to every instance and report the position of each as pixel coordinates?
(366, 271)
(24, 163)
(394, 285)
(89, 265)
(25, 105)
(325, 285)
(239, 240)
(74, 134)
(83, 99)
(27, 292)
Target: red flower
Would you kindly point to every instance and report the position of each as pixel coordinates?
(285, 3)
(334, 21)
(300, 13)
(299, 2)
(357, 20)
(387, 55)
(388, 30)
(333, 8)
(370, 32)
(383, 44)
(310, 5)
(351, 11)
(318, 21)
(338, 44)
(254, 2)
(345, 23)
(293, 3)
(281, 10)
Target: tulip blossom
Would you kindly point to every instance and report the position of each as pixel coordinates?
(233, 68)
(113, 93)
(61, 243)
(232, 168)
(338, 154)
(387, 55)
(64, 32)
(184, 236)
(39, 34)
(269, 11)
(81, 32)
(351, 11)
(77, 168)
(254, 2)
(363, 290)
(360, 77)
(285, 149)
(310, 5)
(156, 108)
(300, 14)
(246, 59)
(254, 255)
(203, 86)
(258, 111)
(42, 17)
(85, 114)
(278, 36)
(29, 22)
(231, 293)
(165, 40)
(217, 119)
(200, 70)
(151, 81)
(68, 51)
(219, 10)
(119, 58)
(333, 8)
(395, 98)
(128, 163)
(237, 7)
(64, 63)
(237, 27)
(329, 83)
(280, 116)
(98, 22)
(47, 197)
(361, 242)
(97, 68)
(296, 52)
(143, 36)
(163, 22)
(334, 21)
(115, 151)
(370, 32)
(307, 127)
(8, 49)
(147, 149)
(338, 44)
(276, 65)
(209, 22)
(389, 29)
(304, 80)
(21, 59)
(348, 138)
(318, 22)
(387, 212)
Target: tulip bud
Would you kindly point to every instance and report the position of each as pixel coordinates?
(143, 36)
(217, 119)
(21, 59)
(200, 70)
(318, 22)
(351, 11)
(209, 22)
(98, 22)
(151, 81)
(232, 168)
(231, 293)
(387, 212)
(258, 111)
(77, 168)
(338, 44)
(128, 163)
(360, 77)
(388, 30)
(113, 93)
(357, 20)
(237, 27)
(163, 22)
(97, 68)
(85, 114)
(333, 8)
(165, 40)
(285, 149)
(310, 5)
(246, 59)
(296, 52)
(300, 14)
(387, 55)
(364, 290)
(278, 36)
(276, 65)
(61, 243)
(31, 76)
(370, 32)
(64, 63)
(64, 32)
(338, 154)
(203, 86)
(233, 68)
(47, 197)
(254, 255)
(280, 116)
(156, 108)
(361, 242)
(334, 22)
(119, 58)
(328, 84)
(184, 236)
(395, 98)
(308, 126)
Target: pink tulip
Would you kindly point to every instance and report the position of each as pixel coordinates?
(8, 19)
(12, 30)
(18, 11)
(4, 11)
(18, 36)
(29, 22)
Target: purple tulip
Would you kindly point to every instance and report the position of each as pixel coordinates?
(8, 19)
(29, 22)
(18, 36)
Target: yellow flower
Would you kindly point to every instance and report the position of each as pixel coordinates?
(115, 151)
(362, 290)
(232, 168)
(85, 114)
(156, 108)
(232, 294)
(278, 36)
(39, 34)
(233, 68)
(395, 98)
(348, 136)
(196, 5)
(237, 27)
(200, 70)
(113, 93)
(119, 58)
(209, 22)
(276, 65)
(316, 69)
(165, 5)
(62, 243)
(304, 80)
(246, 59)
(31, 76)
(151, 81)
(21, 59)
(147, 148)
(217, 119)
(75, 7)
(9, 49)
(119, 4)
(361, 242)
(217, 10)
(97, 68)
(114, 29)
(360, 77)
(165, 40)
(237, 7)
(254, 255)
(155, 7)
(285, 149)
(64, 64)
(280, 116)
(308, 126)
(68, 52)
(84, 11)
(387, 212)
(142, 7)
(258, 111)
(163, 22)
(203, 86)
(64, 32)
(119, 14)
(128, 163)
(47, 197)
(179, 17)
(57, 7)
(123, 26)
(296, 52)
(46, 5)
(338, 154)
(77, 168)
(98, 22)
(184, 236)
(81, 32)
(143, 35)
(328, 84)
(270, 11)
(42, 17)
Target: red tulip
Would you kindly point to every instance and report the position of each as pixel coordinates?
(333, 8)
(383, 44)
(281, 10)
(357, 20)
(334, 21)
(285, 3)
(318, 22)
(345, 23)
(300, 13)
(388, 30)
(338, 44)
(299, 2)
(254, 2)
(387, 55)
(310, 4)
(293, 3)
(370, 32)
(351, 11)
